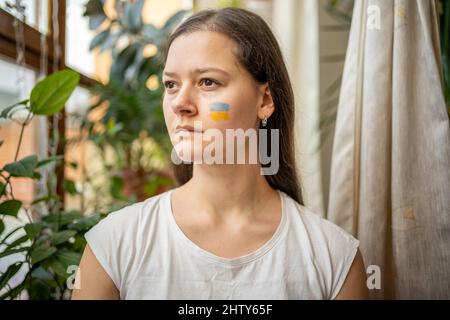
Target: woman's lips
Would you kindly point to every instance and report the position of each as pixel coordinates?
(189, 129)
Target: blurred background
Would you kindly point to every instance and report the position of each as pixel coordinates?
(108, 146)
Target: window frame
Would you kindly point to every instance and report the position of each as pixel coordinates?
(33, 60)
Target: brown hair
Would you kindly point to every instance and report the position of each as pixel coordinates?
(260, 54)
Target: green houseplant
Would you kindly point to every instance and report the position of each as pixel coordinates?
(134, 113)
(48, 247)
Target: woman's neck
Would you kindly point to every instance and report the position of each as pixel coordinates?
(228, 191)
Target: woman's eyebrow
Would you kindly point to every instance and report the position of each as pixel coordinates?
(198, 71)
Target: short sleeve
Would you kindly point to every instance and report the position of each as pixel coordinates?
(112, 242)
(343, 248)
(100, 239)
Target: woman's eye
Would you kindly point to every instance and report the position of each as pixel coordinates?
(209, 82)
(169, 84)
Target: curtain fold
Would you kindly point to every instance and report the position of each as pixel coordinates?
(296, 27)
(390, 172)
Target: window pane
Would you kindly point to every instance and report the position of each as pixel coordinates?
(36, 13)
(78, 38)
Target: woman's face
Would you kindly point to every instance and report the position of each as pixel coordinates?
(205, 83)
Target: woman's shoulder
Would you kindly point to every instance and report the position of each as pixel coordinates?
(132, 215)
(315, 224)
(331, 248)
(115, 240)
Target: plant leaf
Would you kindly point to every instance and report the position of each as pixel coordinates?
(42, 274)
(151, 33)
(44, 162)
(99, 39)
(33, 229)
(50, 95)
(86, 222)
(94, 10)
(9, 273)
(70, 187)
(13, 251)
(66, 217)
(174, 20)
(14, 292)
(2, 189)
(22, 168)
(6, 111)
(63, 260)
(46, 198)
(62, 236)
(41, 252)
(36, 175)
(17, 242)
(10, 207)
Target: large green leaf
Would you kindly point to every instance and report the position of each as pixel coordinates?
(62, 236)
(2, 226)
(22, 168)
(41, 252)
(10, 207)
(9, 273)
(50, 95)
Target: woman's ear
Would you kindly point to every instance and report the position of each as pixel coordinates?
(266, 107)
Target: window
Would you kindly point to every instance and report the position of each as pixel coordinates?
(36, 13)
(41, 36)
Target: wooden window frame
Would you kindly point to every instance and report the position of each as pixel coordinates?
(33, 59)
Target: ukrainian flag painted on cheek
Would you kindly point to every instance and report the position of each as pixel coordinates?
(219, 111)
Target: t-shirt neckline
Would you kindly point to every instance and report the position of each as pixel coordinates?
(262, 250)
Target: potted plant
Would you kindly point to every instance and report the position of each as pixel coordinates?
(133, 124)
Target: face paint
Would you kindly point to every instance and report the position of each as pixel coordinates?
(219, 111)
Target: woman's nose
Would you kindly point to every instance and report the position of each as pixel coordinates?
(184, 104)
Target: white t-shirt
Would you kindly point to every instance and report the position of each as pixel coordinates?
(148, 256)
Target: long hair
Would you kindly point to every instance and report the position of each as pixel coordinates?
(260, 54)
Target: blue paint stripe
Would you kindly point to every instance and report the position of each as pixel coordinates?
(219, 106)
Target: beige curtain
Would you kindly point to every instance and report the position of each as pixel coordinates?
(390, 175)
(296, 27)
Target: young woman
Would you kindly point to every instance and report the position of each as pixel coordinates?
(228, 231)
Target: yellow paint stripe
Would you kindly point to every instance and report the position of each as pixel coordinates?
(220, 115)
